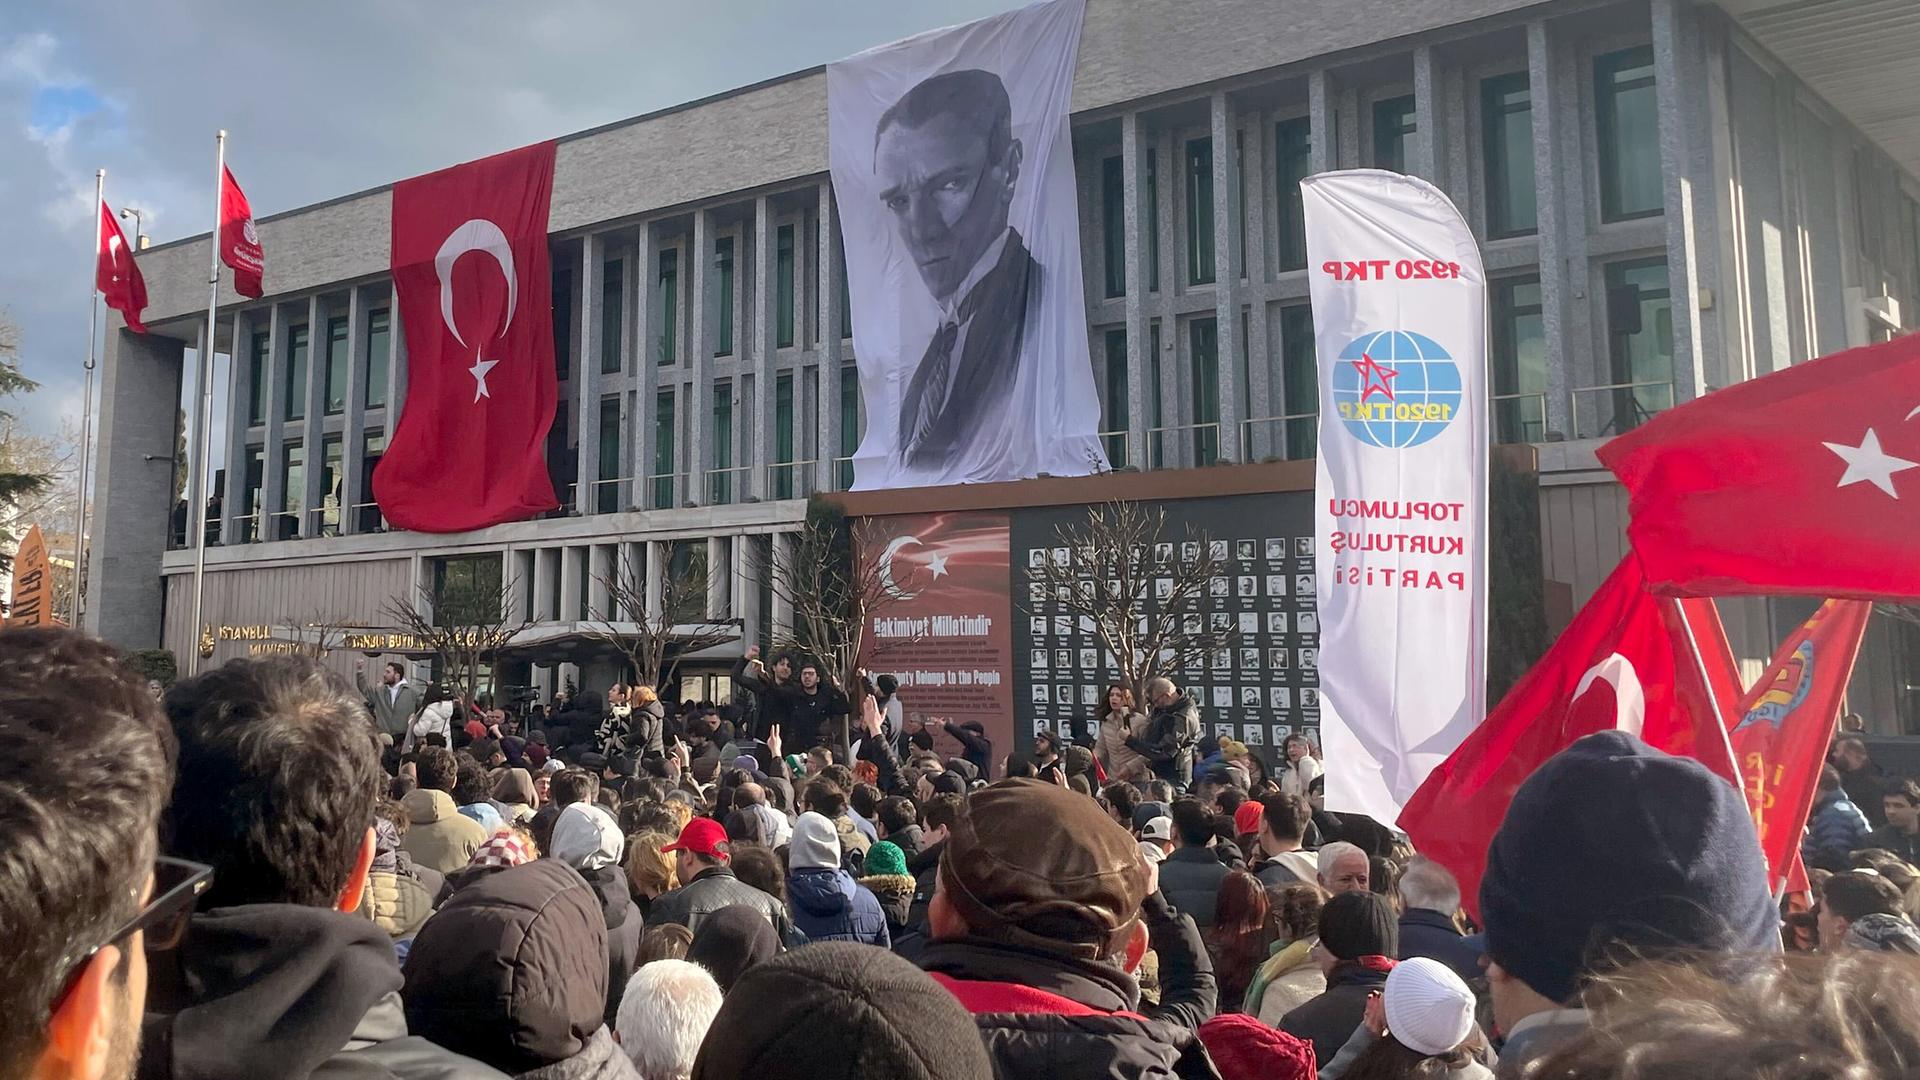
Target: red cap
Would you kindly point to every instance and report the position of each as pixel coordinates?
(702, 836)
(1247, 818)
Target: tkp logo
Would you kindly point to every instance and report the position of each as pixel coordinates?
(1395, 388)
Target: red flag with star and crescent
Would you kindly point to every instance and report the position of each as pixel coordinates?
(116, 275)
(1805, 482)
(475, 293)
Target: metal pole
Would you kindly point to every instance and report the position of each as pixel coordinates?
(86, 403)
(204, 458)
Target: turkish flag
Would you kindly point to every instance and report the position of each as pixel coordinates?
(1785, 722)
(474, 290)
(1805, 482)
(239, 243)
(1619, 664)
(115, 274)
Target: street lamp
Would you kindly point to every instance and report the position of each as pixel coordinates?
(139, 237)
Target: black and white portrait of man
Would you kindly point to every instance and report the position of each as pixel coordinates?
(953, 170)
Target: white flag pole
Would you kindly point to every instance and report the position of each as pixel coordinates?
(205, 414)
(86, 402)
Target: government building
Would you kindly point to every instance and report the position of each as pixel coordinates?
(1671, 195)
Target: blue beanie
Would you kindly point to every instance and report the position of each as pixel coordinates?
(1613, 849)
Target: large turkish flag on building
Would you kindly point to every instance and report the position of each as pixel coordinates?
(1624, 662)
(470, 272)
(1786, 721)
(1805, 482)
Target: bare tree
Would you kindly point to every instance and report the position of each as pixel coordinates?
(465, 625)
(1131, 582)
(654, 639)
(321, 633)
(835, 588)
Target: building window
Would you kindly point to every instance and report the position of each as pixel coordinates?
(849, 422)
(722, 442)
(296, 396)
(783, 435)
(1153, 221)
(1640, 333)
(1299, 381)
(563, 459)
(1200, 211)
(562, 321)
(336, 370)
(371, 450)
(669, 303)
(1113, 223)
(293, 490)
(1394, 122)
(1506, 133)
(467, 592)
(250, 496)
(332, 482)
(723, 273)
(606, 498)
(1203, 341)
(262, 351)
(1116, 420)
(379, 349)
(1519, 361)
(1293, 161)
(1628, 113)
(783, 282)
(612, 312)
(663, 426)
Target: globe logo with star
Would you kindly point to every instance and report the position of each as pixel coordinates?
(1395, 388)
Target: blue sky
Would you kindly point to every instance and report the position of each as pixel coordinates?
(324, 99)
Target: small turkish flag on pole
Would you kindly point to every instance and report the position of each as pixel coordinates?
(1805, 482)
(115, 274)
(239, 242)
(1621, 664)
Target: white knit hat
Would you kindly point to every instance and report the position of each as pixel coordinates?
(1428, 1008)
(815, 845)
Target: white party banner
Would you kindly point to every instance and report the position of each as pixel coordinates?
(952, 166)
(1400, 325)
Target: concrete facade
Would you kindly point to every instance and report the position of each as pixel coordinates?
(706, 236)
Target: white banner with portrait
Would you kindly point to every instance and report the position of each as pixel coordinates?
(1400, 507)
(952, 166)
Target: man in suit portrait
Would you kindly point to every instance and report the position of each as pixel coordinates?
(947, 164)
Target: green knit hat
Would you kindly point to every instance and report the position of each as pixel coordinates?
(885, 858)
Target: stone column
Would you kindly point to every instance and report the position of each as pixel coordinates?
(1133, 170)
(757, 418)
(353, 428)
(719, 576)
(278, 357)
(646, 358)
(246, 325)
(697, 406)
(586, 373)
(1544, 79)
(1423, 157)
(1226, 274)
(828, 436)
(132, 491)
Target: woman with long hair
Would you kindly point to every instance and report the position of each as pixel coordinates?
(1238, 938)
(1120, 720)
(1289, 977)
(1298, 767)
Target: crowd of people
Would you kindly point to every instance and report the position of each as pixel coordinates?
(272, 873)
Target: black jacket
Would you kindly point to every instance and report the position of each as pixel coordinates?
(1167, 744)
(711, 890)
(765, 702)
(811, 718)
(1051, 1017)
(925, 868)
(1892, 838)
(1424, 932)
(1329, 1020)
(976, 748)
(623, 930)
(289, 992)
(1190, 878)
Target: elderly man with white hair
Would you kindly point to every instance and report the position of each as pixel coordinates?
(1429, 900)
(664, 1016)
(1343, 868)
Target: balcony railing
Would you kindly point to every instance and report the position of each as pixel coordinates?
(1519, 418)
(666, 490)
(843, 474)
(1596, 412)
(726, 485)
(792, 479)
(1290, 438)
(612, 495)
(1199, 441)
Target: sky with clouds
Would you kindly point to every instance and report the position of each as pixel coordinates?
(324, 99)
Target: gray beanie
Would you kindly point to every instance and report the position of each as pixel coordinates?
(816, 844)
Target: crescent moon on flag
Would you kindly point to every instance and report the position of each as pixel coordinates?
(886, 567)
(478, 234)
(1629, 700)
(1914, 413)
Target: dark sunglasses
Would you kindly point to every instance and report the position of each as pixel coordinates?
(177, 887)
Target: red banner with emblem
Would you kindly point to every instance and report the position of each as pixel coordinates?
(475, 293)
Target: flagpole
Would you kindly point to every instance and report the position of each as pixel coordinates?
(205, 417)
(86, 401)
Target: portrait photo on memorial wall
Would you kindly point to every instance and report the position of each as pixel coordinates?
(953, 171)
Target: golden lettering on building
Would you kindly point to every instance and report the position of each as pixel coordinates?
(246, 633)
(381, 642)
(273, 648)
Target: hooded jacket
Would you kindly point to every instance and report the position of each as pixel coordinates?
(828, 905)
(289, 992)
(1050, 1017)
(1168, 739)
(511, 970)
(439, 836)
(895, 895)
(513, 789)
(586, 838)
